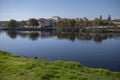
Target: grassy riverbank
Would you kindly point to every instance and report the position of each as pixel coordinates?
(13, 67)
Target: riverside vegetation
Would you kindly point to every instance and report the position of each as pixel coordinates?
(63, 23)
(14, 67)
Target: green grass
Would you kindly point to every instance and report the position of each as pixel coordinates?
(13, 67)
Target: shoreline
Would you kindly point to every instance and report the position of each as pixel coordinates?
(21, 68)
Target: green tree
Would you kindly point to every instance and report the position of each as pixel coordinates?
(77, 24)
(33, 22)
(81, 23)
(96, 22)
(86, 22)
(23, 23)
(12, 23)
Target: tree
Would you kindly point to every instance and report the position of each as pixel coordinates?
(109, 18)
(12, 34)
(96, 22)
(100, 17)
(34, 36)
(77, 24)
(33, 22)
(81, 23)
(86, 22)
(23, 23)
(12, 23)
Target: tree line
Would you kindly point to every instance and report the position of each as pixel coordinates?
(13, 23)
(65, 23)
(85, 22)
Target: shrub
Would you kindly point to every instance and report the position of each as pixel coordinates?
(46, 76)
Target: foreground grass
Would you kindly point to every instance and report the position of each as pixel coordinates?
(14, 67)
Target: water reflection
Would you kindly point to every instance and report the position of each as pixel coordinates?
(12, 34)
(97, 37)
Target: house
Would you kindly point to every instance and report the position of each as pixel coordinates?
(3, 23)
(45, 23)
(116, 22)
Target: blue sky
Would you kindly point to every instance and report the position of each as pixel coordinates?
(25, 9)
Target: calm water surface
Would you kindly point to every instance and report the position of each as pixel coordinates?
(97, 50)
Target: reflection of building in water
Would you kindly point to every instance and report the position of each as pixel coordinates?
(47, 34)
(41, 34)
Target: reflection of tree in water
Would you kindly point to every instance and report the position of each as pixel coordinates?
(0, 31)
(87, 35)
(12, 34)
(97, 38)
(105, 36)
(23, 35)
(46, 34)
(33, 35)
(70, 36)
(84, 36)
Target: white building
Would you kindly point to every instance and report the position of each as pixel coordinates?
(116, 22)
(45, 23)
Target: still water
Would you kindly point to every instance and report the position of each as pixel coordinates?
(96, 50)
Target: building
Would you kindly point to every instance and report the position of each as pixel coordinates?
(116, 22)
(45, 23)
(3, 23)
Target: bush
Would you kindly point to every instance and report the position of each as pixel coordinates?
(46, 76)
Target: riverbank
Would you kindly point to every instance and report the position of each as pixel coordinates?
(13, 67)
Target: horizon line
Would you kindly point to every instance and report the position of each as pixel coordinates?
(61, 18)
